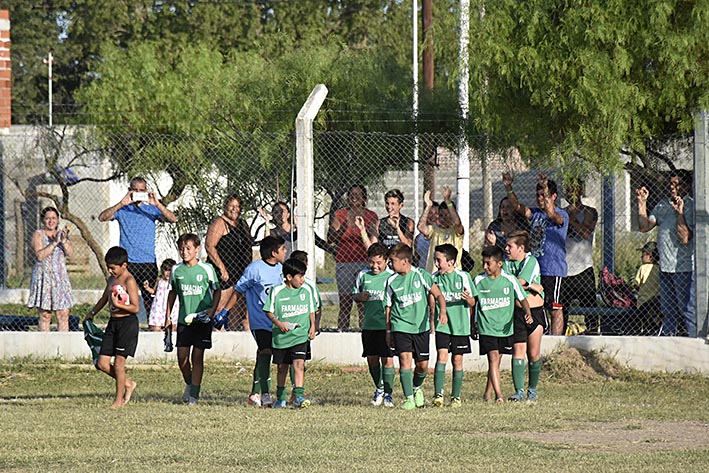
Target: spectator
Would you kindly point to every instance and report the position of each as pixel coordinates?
(50, 289)
(228, 244)
(395, 228)
(421, 244)
(548, 229)
(350, 230)
(674, 219)
(507, 221)
(580, 283)
(448, 230)
(136, 214)
(647, 319)
(279, 224)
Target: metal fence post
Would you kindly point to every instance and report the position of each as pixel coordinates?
(609, 223)
(305, 209)
(701, 228)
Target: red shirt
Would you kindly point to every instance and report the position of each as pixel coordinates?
(350, 248)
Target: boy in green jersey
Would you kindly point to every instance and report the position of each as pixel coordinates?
(498, 293)
(408, 323)
(454, 336)
(369, 290)
(291, 308)
(197, 286)
(528, 336)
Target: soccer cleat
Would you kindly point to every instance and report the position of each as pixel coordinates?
(186, 394)
(409, 404)
(455, 402)
(266, 400)
(280, 404)
(301, 403)
(518, 396)
(418, 397)
(220, 319)
(438, 400)
(532, 395)
(378, 397)
(192, 401)
(388, 401)
(254, 400)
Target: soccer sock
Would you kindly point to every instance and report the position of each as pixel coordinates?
(299, 392)
(194, 391)
(376, 374)
(418, 379)
(407, 382)
(264, 372)
(281, 393)
(535, 370)
(518, 373)
(291, 373)
(439, 378)
(255, 386)
(389, 375)
(457, 383)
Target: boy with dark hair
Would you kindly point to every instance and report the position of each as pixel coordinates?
(369, 290)
(452, 336)
(408, 323)
(121, 337)
(258, 278)
(291, 309)
(197, 286)
(498, 292)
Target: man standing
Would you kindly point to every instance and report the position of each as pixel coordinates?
(548, 227)
(136, 214)
(674, 219)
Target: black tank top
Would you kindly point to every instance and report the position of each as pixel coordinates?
(388, 234)
(234, 248)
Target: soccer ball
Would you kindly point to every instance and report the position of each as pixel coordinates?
(121, 294)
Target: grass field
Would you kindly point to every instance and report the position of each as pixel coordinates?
(592, 415)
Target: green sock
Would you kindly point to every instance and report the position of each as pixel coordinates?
(518, 373)
(535, 370)
(418, 379)
(376, 374)
(439, 378)
(255, 387)
(407, 382)
(281, 393)
(291, 373)
(194, 391)
(299, 392)
(264, 372)
(389, 375)
(457, 383)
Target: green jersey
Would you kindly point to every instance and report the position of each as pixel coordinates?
(290, 306)
(194, 286)
(375, 285)
(496, 303)
(407, 296)
(452, 286)
(527, 269)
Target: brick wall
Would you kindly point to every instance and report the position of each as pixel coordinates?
(5, 71)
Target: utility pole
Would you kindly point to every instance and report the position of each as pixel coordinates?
(49, 60)
(429, 181)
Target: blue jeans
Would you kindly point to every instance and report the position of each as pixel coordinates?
(677, 297)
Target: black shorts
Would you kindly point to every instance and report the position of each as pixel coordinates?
(121, 336)
(196, 335)
(489, 343)
(523, 329)
(285, 356)
(263, 339)
(552, 292)
(374, 343)
(455, 344)
(415, 343)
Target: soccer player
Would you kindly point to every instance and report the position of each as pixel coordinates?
(408, 323)
(527, 336)
(291, 309)
(121, 337)
(454, 336)
(197, 287)
(369, 290)
(498, 292)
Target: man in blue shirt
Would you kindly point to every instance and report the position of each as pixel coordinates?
(547, 234)
(136, 214)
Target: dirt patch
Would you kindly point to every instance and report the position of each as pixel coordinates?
(628, 437)
(573, 365)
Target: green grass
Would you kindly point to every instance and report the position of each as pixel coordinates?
(55, 417)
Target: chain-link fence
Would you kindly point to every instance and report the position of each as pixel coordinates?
(84, 173)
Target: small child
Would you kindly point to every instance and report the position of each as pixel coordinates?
(197, 287)
(291, 308)
(121, 337)
(408, 323)
(369, 290)
(498, 292)
(648, 318)
(454, 336)
(160, 291)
